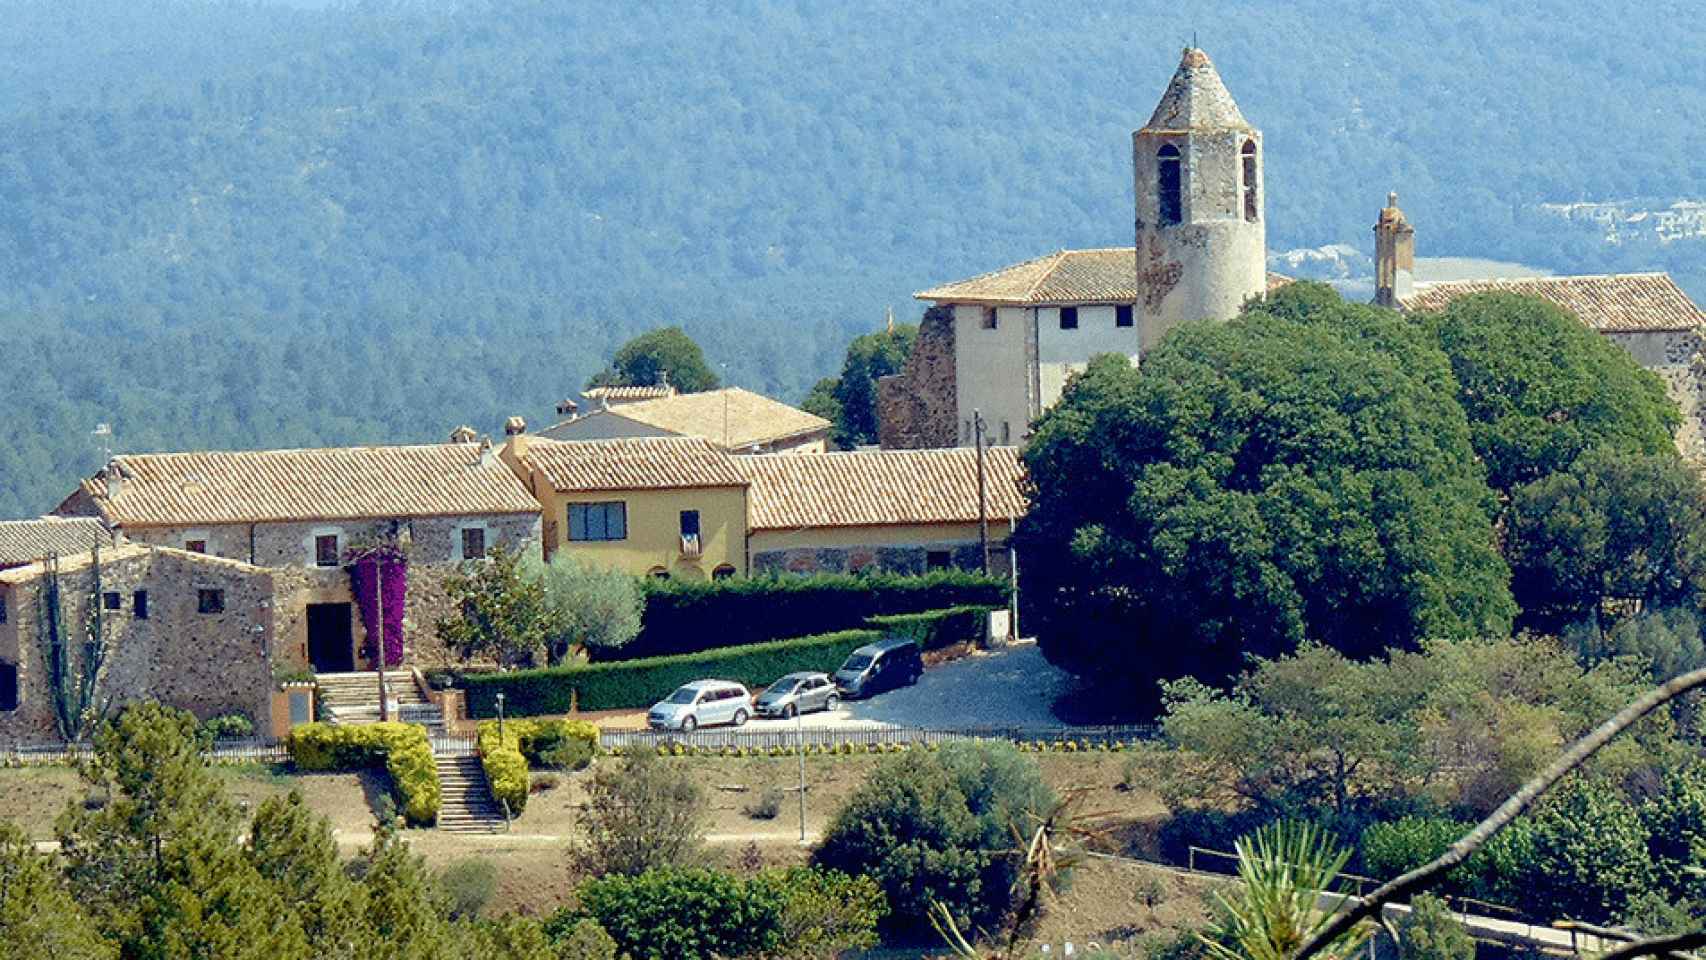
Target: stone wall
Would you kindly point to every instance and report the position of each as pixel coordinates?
(1676, 356)
(208, 663)
(915, 408)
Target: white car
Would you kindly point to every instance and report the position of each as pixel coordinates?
(701, 703)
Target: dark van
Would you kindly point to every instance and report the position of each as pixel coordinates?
(876, 667)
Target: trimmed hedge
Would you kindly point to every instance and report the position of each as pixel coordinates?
(402, 748)
(686, 617)
(506, 762)
(641, 683)
(934, 629)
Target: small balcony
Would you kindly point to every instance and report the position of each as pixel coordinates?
(690, 546)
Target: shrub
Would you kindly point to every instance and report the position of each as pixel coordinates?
(1430, 932)
(684, 914)
(579, 938)
(824, 913)
(641, 683)
(1399, 846)
(228, 726)
(938, 827)
(640, 814)
(506, 763)
(468, 886)
(572, 754)
(683, 617)
(934, 629)
(766, 806)
(402, 748)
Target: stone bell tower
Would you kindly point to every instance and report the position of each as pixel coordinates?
(1201, 233)
(1394, 255)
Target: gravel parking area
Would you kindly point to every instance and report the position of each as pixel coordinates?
(1004, 688)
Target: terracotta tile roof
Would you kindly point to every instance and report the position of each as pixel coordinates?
(181, 489)
(879, 487)
(118, 553)
(624, 394)
(1102, 275)
(632, 463)
(1613, 303)
(22, 541)
(750, 419)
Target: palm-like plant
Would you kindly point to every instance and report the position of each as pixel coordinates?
(1287, 872)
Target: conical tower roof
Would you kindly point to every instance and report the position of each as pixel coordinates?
(1196, 99)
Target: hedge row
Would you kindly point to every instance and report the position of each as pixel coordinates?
(686, 617)
(506, 761)
(402, 748)
(641, 683)
(934, 629)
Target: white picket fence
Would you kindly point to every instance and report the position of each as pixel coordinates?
(249, 750)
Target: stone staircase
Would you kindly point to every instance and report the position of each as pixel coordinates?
(468, 806)
(354, 698)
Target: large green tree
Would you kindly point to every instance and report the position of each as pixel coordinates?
(1540, 388)
(850, 400)
(656, 357)
(1301, 471)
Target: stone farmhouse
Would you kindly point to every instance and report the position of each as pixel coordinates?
(1003, 344)
(734, 419)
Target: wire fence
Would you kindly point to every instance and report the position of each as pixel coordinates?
(246, 750)
(789, 738)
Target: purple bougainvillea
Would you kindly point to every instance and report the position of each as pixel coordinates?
(373, 571)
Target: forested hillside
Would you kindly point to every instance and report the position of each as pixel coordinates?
(229, 224)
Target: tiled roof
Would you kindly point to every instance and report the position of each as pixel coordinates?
(1102, 275)
(116, 553)
(632, 463)
(731, 417)
(22, 541)
(1196, 99)
(1614, 303)
(623, 394)
(181, 489)
(880, 487)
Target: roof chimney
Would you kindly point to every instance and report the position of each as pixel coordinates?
(514, 427)
(488, 454)
(1394, 256)
(463, 434)
(567, 408)
(114, 476)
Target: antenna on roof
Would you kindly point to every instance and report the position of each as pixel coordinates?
(105, 432)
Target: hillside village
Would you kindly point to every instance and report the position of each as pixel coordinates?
(309, 589)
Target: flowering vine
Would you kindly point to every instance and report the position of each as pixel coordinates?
(380, 570)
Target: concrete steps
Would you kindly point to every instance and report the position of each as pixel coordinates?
(354, 698)
(467, 804)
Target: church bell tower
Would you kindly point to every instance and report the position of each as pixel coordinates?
(1201, 230)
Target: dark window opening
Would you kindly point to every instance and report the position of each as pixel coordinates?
(111, 601)
(195, 546)
(690, 523)
(1169, 183)
(1069, 318)
(326, 550)
(474, 543)
(1250, 199)
(1006, 433)
(938, 559)
(2, 609)
(8, 686)
(723, 572)
(658, 573)
(1122, 315)
(598, 521)
(990, 320)
(210, 601)
(139, 604)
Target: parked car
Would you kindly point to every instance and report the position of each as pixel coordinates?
(701, 703)
(798, 693)
(876, 667)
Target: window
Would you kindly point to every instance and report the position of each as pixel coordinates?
(658, 573)
(690, 523)
(1069, 318)
(1122, 315)
(938, 559)
(1251, 203)
(990, 320)
(195, 546)
(210, 601)
(598, 521)
(1169, 182)
(2, 609)
(111, 601)
(8, 686)
(139, 604)
(723, 572)
(473, 543)
(1006, 433)
(326, 550)
(966, 433)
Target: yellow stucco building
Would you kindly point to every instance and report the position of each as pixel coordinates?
(652, 506)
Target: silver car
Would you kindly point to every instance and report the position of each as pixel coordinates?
(799, 693)
(701, 703)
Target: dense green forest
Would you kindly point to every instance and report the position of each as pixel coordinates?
(243, 224)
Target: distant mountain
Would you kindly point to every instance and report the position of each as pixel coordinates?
(228, 224)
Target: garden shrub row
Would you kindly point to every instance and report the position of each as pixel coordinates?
(402, 748)
(641, 683)
(506, 759)
(685, 617)
(935, 629)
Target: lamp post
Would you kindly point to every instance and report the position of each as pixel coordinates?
(800, 736)
(500, 717)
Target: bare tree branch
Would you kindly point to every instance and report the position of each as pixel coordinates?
(1425, 876)
(1658, 946)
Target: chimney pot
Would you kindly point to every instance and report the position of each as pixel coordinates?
(514, 427)
(463, 434)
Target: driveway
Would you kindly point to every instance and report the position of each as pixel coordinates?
(1014, 687)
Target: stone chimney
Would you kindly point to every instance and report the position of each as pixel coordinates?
(1394, 256)
(515, 427)
(463, 434)
(567, 408)
(488, 453)
(114, 476)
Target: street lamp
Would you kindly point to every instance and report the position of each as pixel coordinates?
(800, 735)
(500, 717)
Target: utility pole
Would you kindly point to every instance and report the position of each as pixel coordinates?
(800, 736)
(982, 494)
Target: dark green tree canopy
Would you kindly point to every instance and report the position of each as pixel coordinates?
(850, 400)
(1299, 472)
(652, 358)
(1540, 388)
